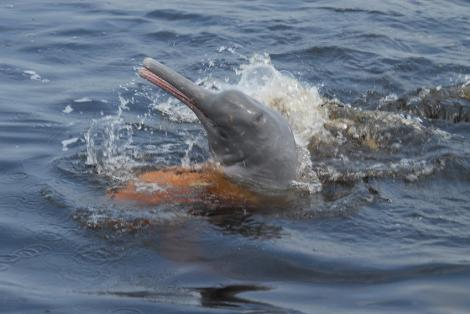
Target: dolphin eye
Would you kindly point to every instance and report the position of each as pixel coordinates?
(223, 133)
(259, 117)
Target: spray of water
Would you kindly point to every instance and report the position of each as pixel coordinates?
(299, 103)
(109, 145)
(110, 140)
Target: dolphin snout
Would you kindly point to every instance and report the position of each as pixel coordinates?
(174, 83)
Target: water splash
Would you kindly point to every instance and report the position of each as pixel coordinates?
(174, 110)
(299, 103)
(190, 142)
(346, 143)
(109, 145)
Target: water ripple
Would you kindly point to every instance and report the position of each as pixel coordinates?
(360, 11)
(172, 15)
(392, 216)
(126, 310)
(99, 255)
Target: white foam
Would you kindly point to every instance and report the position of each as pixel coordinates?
(174, 110)
(148, 187)
(67, 109)
(300, 103)
(35, 76)
(67, 142)
(223, 48)
(83, 99)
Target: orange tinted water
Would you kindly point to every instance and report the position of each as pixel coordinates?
(185, 185)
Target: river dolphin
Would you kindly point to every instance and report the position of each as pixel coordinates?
(252, 143)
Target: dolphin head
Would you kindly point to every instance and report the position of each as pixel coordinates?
(253, 143)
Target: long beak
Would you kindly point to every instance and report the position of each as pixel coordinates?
(177, 85)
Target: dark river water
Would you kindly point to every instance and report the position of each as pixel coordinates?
(377, 93)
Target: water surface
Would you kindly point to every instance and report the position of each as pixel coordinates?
(377, 94)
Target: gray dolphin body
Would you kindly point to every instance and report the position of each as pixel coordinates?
(253, 143)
